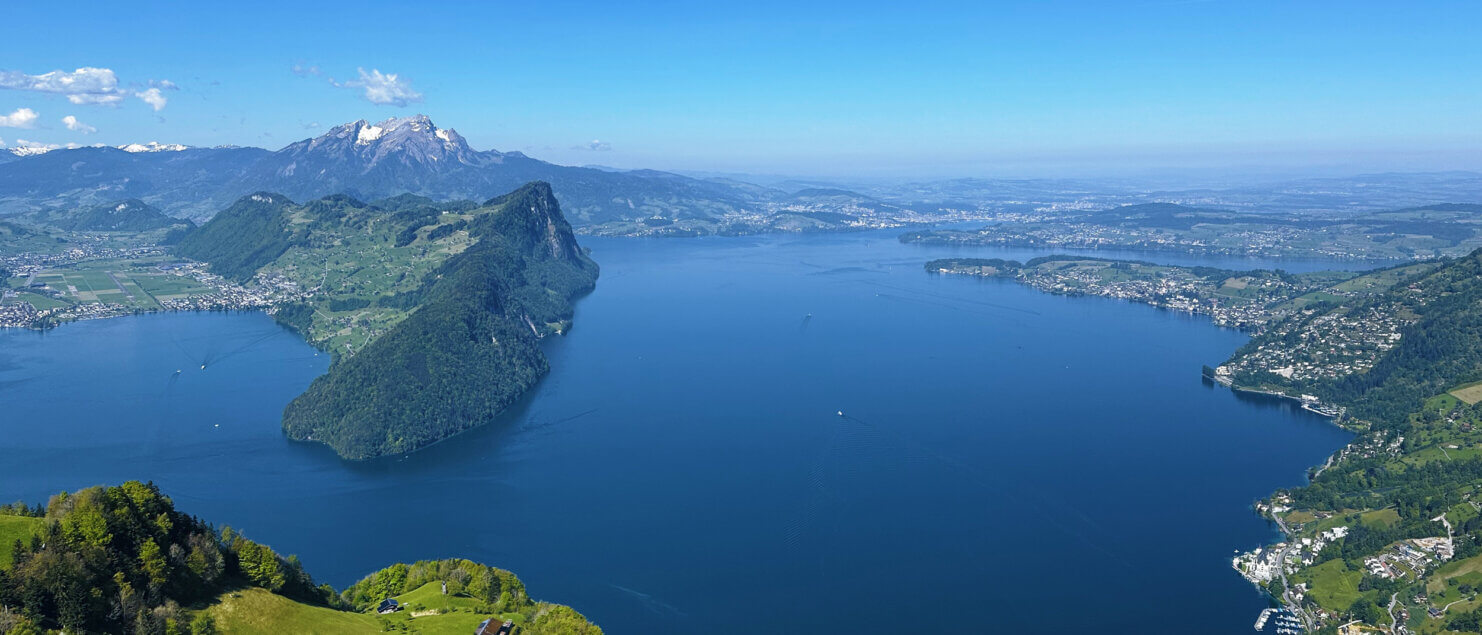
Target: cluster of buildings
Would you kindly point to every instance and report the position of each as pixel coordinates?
(1410, 557)
(1270, 562)
(17, 314)
(1262, 565)
(84, 311)
(265, 291)
(1327, 346)
(790, 217)
(80, 249)
(1169, 288)
(1235, 241)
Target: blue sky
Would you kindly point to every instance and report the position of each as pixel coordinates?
(870, 89)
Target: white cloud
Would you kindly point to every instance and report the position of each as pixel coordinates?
(2, 143)
(383, 88)
(153, 97)
(594, 145)
(84, 80)
(85, 86)
(77, 126)
(305, 71)
(89, 100)
(21, 118)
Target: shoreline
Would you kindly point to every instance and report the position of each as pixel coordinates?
(1266, 509)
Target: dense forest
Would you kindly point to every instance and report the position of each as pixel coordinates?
(471, 347)
(445, 330)
(242, 238)
(124, 560)
(131, 215)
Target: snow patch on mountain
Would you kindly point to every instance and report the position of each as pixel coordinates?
(153, 146)
(368, 134)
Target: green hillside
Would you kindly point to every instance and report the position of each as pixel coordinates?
(131, 215)
(124, 560)
(246, 236)
(434, 311)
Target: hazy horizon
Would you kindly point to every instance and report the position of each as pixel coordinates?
(867, 89)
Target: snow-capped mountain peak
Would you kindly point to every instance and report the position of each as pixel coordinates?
(153, 146)
(404, 140)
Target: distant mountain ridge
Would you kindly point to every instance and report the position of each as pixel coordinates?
(125, 215)
(365, 160)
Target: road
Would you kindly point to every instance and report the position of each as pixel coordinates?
(119, 285)
(1286, 588)
(1442, 519)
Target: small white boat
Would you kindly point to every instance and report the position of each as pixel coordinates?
(841, 413)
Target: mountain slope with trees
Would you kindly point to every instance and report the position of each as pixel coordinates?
(125, 560)
(435, 311)
(130, 215)
(469, 349)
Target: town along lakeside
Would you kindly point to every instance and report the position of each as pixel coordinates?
(1386, 532)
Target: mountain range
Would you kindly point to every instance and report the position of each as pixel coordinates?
(360, 159)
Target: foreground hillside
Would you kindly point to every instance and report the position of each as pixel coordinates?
(124, 560)
(434, 311)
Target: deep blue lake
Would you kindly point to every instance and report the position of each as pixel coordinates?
(1009, 461)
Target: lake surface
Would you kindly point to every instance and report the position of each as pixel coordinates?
(1008, 461)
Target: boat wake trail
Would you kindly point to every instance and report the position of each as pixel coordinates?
(212, 358)
(650, 602)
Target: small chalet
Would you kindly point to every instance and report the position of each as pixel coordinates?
(492, 626)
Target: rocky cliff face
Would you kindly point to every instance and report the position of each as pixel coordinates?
(533, 213)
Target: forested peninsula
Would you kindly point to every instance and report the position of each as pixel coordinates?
(125, 560)
(434, 310)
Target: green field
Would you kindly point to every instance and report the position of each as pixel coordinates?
(1470, 393)
(361, 265)
(41, 302)
(1385, 518)
(13, 528)
(255, 611)
(166, 286)
(429, 611)
(137, 284)
(1332, 586)
(1456, 569)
